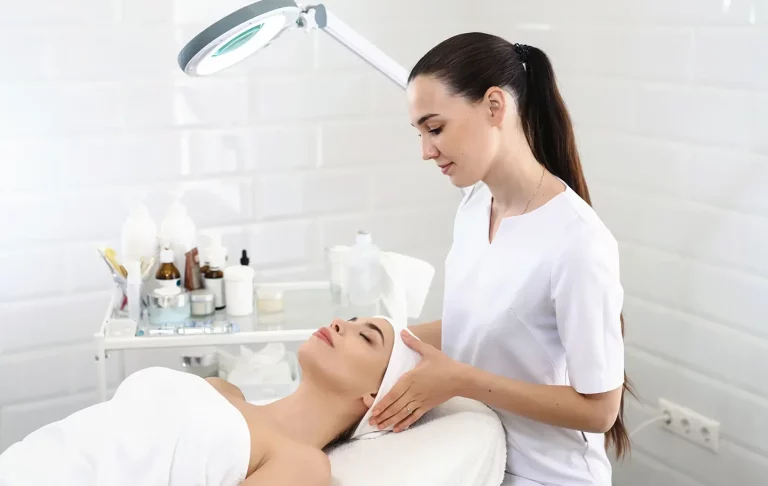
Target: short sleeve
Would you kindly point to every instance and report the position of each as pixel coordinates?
(588, 298)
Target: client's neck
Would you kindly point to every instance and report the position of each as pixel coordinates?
(313, 416)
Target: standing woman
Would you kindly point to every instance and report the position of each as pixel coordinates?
(531, 322)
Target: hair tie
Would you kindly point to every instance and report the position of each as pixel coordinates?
(522, 51)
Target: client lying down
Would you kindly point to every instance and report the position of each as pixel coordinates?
(169, 427)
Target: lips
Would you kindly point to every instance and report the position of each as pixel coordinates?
(445, 168)
(324, 334)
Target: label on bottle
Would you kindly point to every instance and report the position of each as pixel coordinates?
(169, 283)
(216, 285)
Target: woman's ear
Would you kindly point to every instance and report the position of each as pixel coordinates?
(368, 399)
(497, 104)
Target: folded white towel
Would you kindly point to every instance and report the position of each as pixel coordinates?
(161, 427)
(461, 443)
(402, 360)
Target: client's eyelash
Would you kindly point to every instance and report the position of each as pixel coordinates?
(436, 131)
(366, 338)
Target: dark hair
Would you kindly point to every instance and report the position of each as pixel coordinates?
(468, 64)
(340, 439)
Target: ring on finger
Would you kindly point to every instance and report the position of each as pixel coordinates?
(409, 409)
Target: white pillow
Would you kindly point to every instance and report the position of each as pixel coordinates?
(461, 442)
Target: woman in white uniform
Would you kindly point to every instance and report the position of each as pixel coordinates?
(531, 323)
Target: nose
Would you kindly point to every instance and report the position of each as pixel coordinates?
(428, 150)
(338, 325)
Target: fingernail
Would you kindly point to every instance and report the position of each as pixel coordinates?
(375, 413)
(381, 426)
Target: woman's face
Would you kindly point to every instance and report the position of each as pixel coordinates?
(458, 135)
(348, 357)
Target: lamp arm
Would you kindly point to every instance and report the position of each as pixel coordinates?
(356, 43)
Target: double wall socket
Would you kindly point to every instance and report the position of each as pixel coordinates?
(690, 425)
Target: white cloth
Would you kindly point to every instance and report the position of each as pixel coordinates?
(540, 304)
(161, 427)
(402, 360)
(459, 443)
(406, 282)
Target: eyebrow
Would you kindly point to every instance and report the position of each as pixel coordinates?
(375, 328)
(425, 118)
(370, 325)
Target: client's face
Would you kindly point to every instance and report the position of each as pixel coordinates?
(348, 357)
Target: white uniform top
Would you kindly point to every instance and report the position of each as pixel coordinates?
(540, 304)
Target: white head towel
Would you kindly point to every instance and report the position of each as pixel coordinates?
(402, 360)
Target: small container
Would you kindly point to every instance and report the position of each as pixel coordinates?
(238, 282)
(167, 274)
(270, 300)
(204, 366)
(168, 305)
(214, 277)
(202, 302)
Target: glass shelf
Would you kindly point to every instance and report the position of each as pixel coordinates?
(307, 306)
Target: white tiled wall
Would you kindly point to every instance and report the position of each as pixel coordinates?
(304, 144)
(291, 152)
(670, 102)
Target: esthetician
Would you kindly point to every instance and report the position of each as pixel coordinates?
(531, 322)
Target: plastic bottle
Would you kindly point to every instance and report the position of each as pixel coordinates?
(138, 238)
(365, 274)
(178, 230)
(167, 274)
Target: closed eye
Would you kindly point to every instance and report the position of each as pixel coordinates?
(436, 131)
(366, 338)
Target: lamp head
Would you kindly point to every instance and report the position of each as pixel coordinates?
(237, 36)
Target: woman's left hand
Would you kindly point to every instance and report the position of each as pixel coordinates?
(429, 384)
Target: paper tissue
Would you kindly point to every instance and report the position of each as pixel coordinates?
(264, 375)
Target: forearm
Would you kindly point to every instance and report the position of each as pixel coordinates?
(429, 332)
(561, 406)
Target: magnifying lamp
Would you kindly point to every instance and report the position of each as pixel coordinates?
(245, 31)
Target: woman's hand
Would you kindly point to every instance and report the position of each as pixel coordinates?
(426, 386)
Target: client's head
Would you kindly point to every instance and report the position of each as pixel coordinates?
(349, 358)
(356, 363)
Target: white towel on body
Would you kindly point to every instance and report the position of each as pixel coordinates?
(162, 427)
(459, 443)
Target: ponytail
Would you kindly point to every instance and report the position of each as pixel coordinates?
(468, 64)
(546, 121)
(550, 135)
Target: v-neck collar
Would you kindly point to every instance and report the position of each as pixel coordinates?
(514, 218)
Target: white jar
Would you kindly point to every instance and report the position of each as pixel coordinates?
(238, 287)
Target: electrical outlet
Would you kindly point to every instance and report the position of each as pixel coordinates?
(690, 425)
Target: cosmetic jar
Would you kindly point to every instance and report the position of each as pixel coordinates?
(270, 300)
(168, 305)
(238, 287)
(202, 302)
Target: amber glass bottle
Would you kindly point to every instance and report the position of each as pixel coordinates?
(168, 275)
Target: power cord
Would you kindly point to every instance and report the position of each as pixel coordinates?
(666, 417)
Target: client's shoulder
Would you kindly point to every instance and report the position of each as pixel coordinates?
(318, 468)
(280, 466)
(315, 467)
